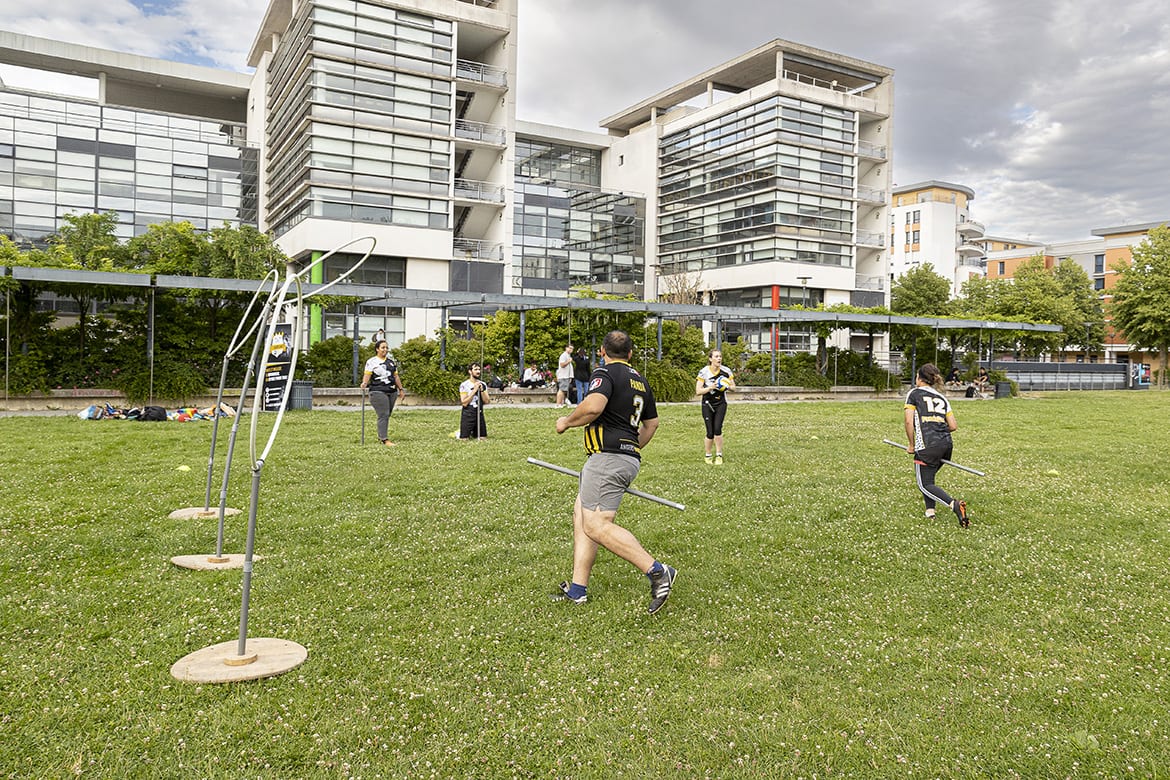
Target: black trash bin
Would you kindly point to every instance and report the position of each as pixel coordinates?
(300, 395)
(1003, 389)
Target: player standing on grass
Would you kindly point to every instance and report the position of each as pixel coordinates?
(929, 422)
(620, 418)
(712, 384)
(473, 395)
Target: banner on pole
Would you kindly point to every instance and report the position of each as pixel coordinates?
(276, 367)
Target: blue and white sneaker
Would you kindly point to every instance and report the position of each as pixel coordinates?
(562, 594)
(660, 585)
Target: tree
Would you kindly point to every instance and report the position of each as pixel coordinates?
(243, 253)
(174, 248)
(920, 292)
(1034, 294)
(1088, 325)
(87, 242)
(1141, 297)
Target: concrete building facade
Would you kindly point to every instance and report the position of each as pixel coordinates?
(930, 222)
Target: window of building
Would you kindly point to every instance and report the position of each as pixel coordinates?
(1098, 264)
(1001, 268)
(1099, 283)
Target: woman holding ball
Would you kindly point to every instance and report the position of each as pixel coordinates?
(712, 385)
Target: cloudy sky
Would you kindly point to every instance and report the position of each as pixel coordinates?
(1056, 112)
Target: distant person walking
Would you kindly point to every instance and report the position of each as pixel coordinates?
(581, 373)
(381, 377)
(929, 423)
(564, 375)
(712, 384)
(473, 395)
(620, 418)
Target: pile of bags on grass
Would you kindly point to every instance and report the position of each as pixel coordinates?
(153, 413)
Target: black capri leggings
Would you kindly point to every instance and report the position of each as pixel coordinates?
(713, 415)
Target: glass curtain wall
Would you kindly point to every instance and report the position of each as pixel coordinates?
(758, 335)
(360, 117)
(567, 231)
(770, 181)
(376, 272)
(68, 155)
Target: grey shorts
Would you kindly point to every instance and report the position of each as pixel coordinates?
(604, 479)
(564, 384)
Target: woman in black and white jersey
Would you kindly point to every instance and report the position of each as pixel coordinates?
(381, 377)
(711, 385)
(929, 423)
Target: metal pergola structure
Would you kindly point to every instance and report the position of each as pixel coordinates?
(482, 304)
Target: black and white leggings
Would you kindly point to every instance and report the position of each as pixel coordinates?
(926, 465)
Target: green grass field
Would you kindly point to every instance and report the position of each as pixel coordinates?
(820, 626)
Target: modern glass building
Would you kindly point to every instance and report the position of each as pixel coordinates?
(392, 120)
(64, 155)
(360, 108)
(569, 231)
(767, 177)
(772, 181)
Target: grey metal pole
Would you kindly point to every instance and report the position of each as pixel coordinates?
(443, 338)
(251, 371)
(520, 368)
(250, 546)
(150, 344)
(902, 447)
(631, 491)
(357, 338)
(775, 333)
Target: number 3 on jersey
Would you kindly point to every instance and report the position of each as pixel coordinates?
(636, 417)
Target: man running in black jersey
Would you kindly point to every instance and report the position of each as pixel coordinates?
(620, 418)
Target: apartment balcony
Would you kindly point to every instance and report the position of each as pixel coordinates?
(479, 191)
(870, 150)
(480, 132)
(967, 249)
(476, 249)
(871, 195)
(869, 238)
(865, 282)
(480, 73)
(972, 262)
(972, 229)
(482, 3)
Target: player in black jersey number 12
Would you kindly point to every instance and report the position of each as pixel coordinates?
(620, 418)
(929, 423)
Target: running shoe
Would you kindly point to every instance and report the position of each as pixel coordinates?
(718, 460)
(707, 460)
(964, 518)
(660, 585)
(562, 594)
